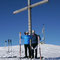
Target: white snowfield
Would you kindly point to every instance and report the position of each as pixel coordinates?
(49, 52)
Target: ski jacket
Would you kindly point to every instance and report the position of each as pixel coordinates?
(34, 39)
(26, 39)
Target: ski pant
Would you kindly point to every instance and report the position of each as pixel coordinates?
(27, 46)
(34, 45)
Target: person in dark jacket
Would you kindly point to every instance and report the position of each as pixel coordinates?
(26, 39)
(34, 44)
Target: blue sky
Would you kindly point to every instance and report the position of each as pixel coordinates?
(11, 25)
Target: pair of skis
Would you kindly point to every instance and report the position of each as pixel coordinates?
(39, 47)
(20, 43)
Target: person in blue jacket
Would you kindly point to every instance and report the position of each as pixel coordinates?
(26, 39)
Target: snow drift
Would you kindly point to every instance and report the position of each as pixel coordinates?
(49, 52)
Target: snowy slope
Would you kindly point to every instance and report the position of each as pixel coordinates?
(48, 52)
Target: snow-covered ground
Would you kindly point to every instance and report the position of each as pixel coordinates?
(49, 52)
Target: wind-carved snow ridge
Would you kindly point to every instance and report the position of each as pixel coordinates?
(49, 52)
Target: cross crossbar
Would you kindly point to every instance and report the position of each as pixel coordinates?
(31, 6)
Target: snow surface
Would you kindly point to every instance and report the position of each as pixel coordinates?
(49, 52)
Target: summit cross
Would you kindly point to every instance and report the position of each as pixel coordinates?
(29, 12)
